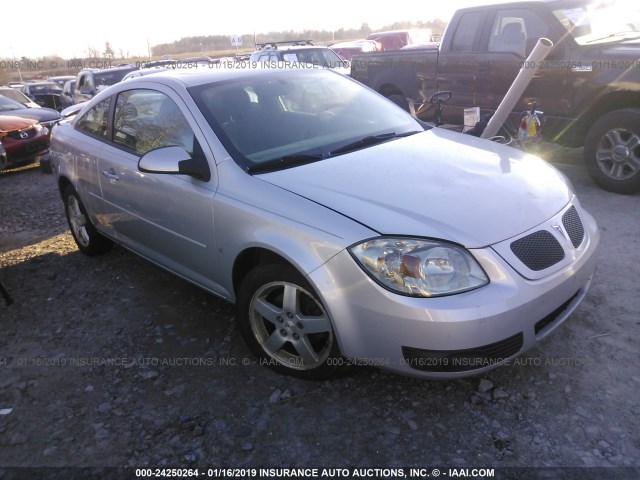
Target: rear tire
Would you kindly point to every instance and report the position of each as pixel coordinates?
(612, 151)
(285, 325)
(89, 241)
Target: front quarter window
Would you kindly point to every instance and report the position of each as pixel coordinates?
(148, 119)
(95, 121)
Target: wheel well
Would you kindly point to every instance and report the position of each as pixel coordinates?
(388, 89)
(606, 104)
(249, 259)
(63, 182)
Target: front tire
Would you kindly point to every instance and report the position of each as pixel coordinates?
(89, 241)
(284, 323)
(612, 151)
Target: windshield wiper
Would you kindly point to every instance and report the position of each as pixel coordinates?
(287, 161)
(368, 141)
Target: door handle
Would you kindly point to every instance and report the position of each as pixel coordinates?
(111, 175)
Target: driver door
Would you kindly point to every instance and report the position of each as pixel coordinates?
(164, 217)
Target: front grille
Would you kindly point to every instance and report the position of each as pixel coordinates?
(31, 132)
(462, 360)
(538, 251)
(573, 226)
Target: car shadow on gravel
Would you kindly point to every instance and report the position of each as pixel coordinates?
(110, 360)
(31, 209)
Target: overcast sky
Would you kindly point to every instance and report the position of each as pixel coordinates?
(69, 29)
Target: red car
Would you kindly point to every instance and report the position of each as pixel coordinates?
(24, 141)
(348, 49)
(396, 39)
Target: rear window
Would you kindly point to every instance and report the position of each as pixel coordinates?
(109, 78)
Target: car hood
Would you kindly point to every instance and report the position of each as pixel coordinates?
(39, 114)
(436, 184)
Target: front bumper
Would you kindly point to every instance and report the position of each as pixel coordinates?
(474, 331)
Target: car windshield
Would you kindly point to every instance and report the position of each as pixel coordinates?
(45, 89)
(323, 57)
(15, 95)
(282, 118)
(599, 22)
(6, 104)
(109, 78)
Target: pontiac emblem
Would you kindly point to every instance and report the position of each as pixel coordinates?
(559, 230)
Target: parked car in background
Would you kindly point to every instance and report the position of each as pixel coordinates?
(68, 90)
(339, 225)
(61, 80)
(396, 39)
(18, 96)
(347, 50)
(91, 80)
(23, 140)
(141, 72)
(299, 53)
(45, 94)
(46, 117)
(588, 86)
(3, 156)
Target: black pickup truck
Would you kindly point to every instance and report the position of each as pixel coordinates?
(588, 86)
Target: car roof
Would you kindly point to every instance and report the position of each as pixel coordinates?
(301, 47)
(127, 67)
(490, 3)
(193, 77)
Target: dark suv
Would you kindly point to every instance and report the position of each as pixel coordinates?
(91, 80)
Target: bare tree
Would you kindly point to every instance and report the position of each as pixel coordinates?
(108, 51)
(92, 52)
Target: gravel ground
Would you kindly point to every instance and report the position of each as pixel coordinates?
(110, 361)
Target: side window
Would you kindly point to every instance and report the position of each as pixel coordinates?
(516, 31)
(466, 32)
(95, 121)
(148, 119)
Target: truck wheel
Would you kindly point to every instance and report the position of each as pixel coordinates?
(285, 325)
(612, 151)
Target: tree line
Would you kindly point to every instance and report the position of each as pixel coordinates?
(13, 69)
(208, 43)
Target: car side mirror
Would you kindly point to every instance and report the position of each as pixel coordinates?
(174, 160)
(85, 91)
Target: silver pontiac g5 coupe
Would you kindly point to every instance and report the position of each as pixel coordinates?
(343, 229)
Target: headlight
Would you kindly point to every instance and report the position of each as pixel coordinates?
(419, 268)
